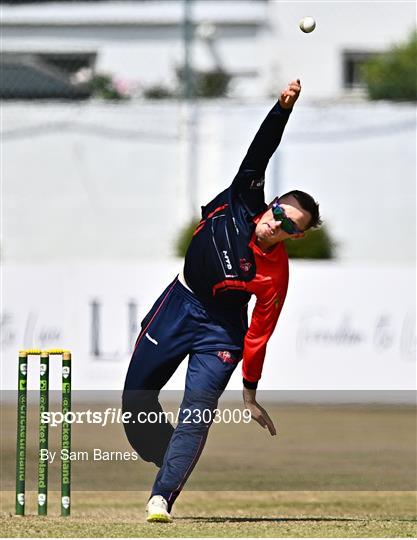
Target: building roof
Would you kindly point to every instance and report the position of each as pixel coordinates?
(166, 12)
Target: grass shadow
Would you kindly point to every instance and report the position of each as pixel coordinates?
(230, 519)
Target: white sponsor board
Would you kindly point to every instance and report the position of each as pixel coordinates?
(343, 327)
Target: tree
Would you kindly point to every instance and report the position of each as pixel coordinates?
(393, 75)
(316, 244)
(207, 84)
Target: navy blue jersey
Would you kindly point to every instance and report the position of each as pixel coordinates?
(219, 258)
(224, 266)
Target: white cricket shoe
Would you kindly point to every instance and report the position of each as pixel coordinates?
(157, 510)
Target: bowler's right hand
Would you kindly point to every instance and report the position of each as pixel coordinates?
(258, 413)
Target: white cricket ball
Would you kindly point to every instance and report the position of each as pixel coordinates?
(307, 24)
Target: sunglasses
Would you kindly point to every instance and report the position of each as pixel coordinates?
(287, 224)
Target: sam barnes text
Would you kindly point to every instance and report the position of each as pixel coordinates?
(97, 454)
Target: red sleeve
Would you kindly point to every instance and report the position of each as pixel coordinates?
(264, 319)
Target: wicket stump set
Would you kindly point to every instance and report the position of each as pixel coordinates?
(43, 430)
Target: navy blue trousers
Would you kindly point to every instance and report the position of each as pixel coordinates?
(178, 325)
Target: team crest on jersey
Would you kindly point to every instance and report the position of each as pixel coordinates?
(257, 184)
(245, 265)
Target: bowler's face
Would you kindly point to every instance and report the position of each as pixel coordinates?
(268, 231)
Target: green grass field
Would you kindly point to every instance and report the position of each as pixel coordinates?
(333, 471)
(223, 514)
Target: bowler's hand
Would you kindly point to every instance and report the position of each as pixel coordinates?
(290, 94)
(258, 413)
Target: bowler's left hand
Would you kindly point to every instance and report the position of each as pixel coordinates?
(290, 94)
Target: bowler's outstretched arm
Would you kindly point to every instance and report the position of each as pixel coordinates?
(266, 141)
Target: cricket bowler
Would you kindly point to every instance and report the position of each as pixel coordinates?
(237, 250)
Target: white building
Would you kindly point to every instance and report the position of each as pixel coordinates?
(327, 60)
(258, 42)
(142, 42)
